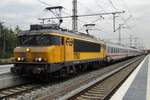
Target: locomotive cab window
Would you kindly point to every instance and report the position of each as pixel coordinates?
(55, 40)
(39, 40)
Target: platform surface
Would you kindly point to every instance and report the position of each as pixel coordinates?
(137, 86)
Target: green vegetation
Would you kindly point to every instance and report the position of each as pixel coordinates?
(8, 41)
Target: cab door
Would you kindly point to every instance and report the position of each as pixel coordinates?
(68, 49)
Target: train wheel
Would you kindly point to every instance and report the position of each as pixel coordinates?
(84, 67)
(63, 72)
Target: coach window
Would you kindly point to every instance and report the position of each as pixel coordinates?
(111, 50)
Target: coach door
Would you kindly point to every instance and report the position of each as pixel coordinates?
(68, 49)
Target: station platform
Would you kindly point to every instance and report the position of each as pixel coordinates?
(137, 85)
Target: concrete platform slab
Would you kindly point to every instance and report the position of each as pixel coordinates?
(136, 86)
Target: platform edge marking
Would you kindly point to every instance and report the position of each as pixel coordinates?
(125, 86)
(148, 81)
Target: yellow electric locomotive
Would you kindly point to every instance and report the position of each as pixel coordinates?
(46, 51)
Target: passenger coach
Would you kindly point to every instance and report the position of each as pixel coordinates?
(117, 52)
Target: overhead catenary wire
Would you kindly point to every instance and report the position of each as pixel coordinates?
(87, 9)
(125, 5)
(115, 9)
(97, 3)
(42, 2)
(83, 6)
(100, 7)
(125, 20)
(121, 16)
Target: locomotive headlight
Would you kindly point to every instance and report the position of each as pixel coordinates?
(39, 59)
(18, 59)
(27, 49)
(22, 59)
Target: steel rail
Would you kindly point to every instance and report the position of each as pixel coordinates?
(16, 90)
(102, 88)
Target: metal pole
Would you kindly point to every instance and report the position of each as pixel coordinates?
(136, 42)
(74, 16)
(130, 40)
(114, 22)
(119, 39)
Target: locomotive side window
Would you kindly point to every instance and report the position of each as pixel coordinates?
(85, 46)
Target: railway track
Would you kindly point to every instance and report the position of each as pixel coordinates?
(16, 90)
(5, 64)
(103, 89)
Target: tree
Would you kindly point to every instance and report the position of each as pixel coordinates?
(17, 29)
(8, 41)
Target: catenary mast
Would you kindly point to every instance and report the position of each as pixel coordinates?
(74, 16)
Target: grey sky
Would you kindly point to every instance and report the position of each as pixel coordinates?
(26, 12)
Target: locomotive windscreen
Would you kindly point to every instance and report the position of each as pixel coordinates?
(39, 40)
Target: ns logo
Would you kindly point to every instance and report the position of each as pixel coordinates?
(69, 41)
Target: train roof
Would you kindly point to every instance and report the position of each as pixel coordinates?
(69, 33)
